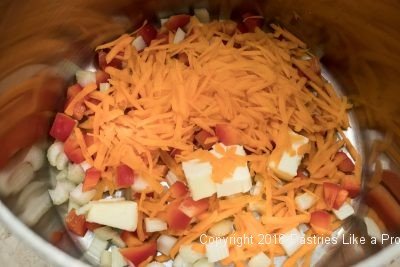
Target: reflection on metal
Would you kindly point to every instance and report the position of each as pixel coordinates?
(43, 42)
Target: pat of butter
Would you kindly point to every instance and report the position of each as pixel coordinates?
(286, 167)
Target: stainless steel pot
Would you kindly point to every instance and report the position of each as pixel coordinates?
(43, 42)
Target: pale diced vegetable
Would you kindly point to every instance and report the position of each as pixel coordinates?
(188, 254)
(305, 201)
(139, 43)
(60, 193)
(81, 197)
(179, 36)
(84, 77)
(259, 260)
(346, 210)
(202, 14)
(105, 259)
(154, 225)
(76, 173)
(291, 241)
(54, 150)
(35, 157)
(165, 243)
(221, 228)
(117, 259)
(217, 250)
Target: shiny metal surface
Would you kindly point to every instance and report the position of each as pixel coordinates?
(43, 42)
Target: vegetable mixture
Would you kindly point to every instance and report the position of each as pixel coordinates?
(198, 132)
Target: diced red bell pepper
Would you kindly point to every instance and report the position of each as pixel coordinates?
(330, 193)
(92, 177)
(252, 21)
(227, 134)
(201, 138)
(76, 223)
(178, 189)
(62, 127)
(130, 239)
(125, 176)
(139, 254)
(176, 219)
(163, 37)
(345, 164)
(340, 198)
(351, 185)
(320, 222)
(148, 33)
(72, 150)
(116, 63)
(193, 208)
(177, 21)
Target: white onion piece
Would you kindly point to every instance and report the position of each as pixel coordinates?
(96, 248)
(104, 87)
(60, 193)
(80, 197)
(139, 43)
(171, 177)
(84, 209)
(203, 263)
(256, 189)
(35, 156)
(259, 260)
(75, 173)
(154, 225)
(105, 259)
(106, 233)
(84, 77)
(62, 175)
(180, 262)
(165, 243)
(21, 176)
(221, 228)
(217, 250)
(179, 36)
(139, 184)
(54, 150)
(85, 166)
(202, 14)
(35, 209)
(72, 205)
(117, 259)
(61, 161)
(189, 255)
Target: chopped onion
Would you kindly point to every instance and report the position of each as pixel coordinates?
(62, 175)
(60, 193)
(179, 36)
(221, 228)
(35, 156)
(305, 201)
(291, 241)
(117, 259)
(85, 166)
(75, 173)
(54, 150)
(96, 248)
(61, 161)
(179, 262)
(171, 177)
(217, 250)
(106, 233)
(35, 209)
(346, 210)
(202, 14)
(165, 243)
(203, 263)
(104, 87)
(259, 260)
(105, 259)
(84, 77)
(84, 209)
(72, 205)
(155, 225)
(80, 197)
(139, 184)
(189, 255)
(139, 43)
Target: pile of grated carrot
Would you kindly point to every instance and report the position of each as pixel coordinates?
(258, 83)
